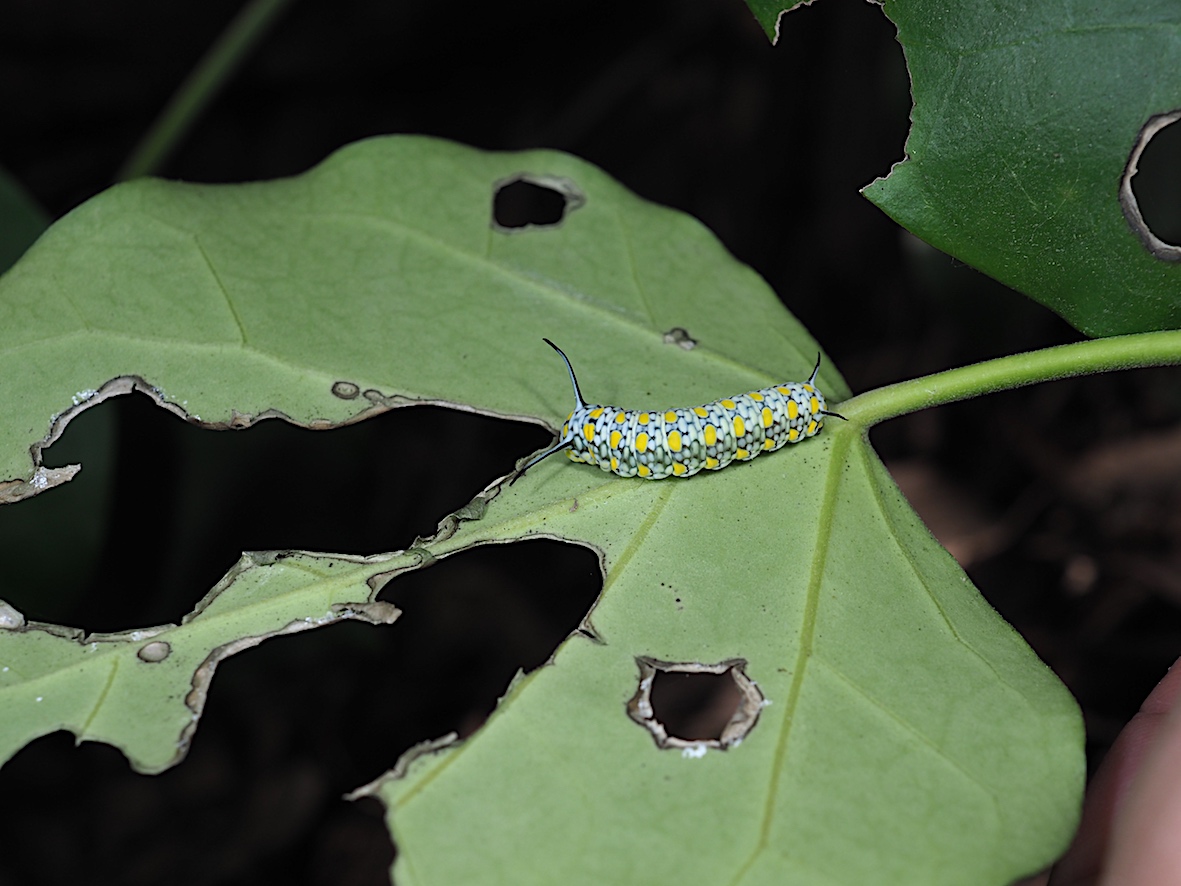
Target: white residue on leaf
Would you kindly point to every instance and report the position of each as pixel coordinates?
(10, 618)
(156, 651)
(327, 618)
(83, 396)
(694, 751)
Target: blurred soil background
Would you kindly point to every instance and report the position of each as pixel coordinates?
(1061, 500)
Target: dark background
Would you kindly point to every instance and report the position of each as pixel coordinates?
(1061, 500)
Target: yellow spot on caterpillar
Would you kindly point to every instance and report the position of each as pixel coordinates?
(815, 405)
(588, 431)
(620, 418)
(785, 391)
(679, 468)
(595, 413)
(756, 396)
(768, 417)
(793, 435)
(616, 439)
(811, 427)
(674, 441)
(739, 426)
(742, 454)
(641, 443)
(711, 435)
(644, 472)
(701, 411)
(793, 409)
(809, 388)
(643, 419)
(711, 463)
(768, 443)
(729, 404)
(614, 463)
(670, 416)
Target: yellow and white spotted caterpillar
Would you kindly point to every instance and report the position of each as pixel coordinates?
(682, 442)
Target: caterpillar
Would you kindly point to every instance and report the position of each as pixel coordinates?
(683, 442)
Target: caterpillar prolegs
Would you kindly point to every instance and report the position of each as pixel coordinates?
(682, 442)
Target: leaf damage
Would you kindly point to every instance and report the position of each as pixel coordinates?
(55, 677)
(531, 201)
(744, 718)
(43, 478)
(1127, 198)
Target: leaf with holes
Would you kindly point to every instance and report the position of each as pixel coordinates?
(891, 727)
(143, 690)
(1025, 119)
(357, 288)
(905, 735)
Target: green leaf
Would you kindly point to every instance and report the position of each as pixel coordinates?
(910, 735)
(375, 280)
(1024, 118)
(768, 12)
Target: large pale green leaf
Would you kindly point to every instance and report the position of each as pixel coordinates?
(908, 735)
(380, 270)
(1024, 118)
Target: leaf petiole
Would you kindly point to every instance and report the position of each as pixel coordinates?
(1004, 373)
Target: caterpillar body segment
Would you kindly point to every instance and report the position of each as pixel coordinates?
(683, 442)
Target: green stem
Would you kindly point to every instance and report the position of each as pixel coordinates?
(1081, 358)
(199, 88)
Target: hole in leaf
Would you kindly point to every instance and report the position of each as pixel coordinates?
(1157, 183)
(1150, 191)
(694, 706)
(529, 201)
(163, 509)
(472, 621)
